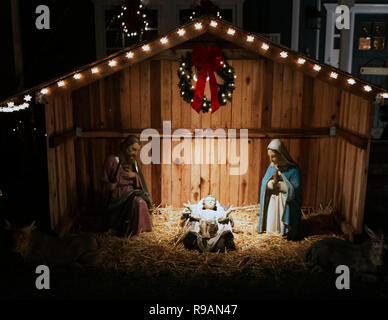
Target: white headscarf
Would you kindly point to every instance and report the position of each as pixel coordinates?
(277, 145)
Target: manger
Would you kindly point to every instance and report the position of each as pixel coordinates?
(161, 251)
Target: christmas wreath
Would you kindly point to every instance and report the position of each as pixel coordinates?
(206, 61)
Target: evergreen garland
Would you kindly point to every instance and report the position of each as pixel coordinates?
(187, 87)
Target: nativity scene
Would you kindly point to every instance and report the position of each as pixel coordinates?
(240, 86)
(307, 154)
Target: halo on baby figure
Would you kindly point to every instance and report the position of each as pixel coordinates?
(207, 226)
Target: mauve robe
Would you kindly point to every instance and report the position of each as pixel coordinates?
(140, 220)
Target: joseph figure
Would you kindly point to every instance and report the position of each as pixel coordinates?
(128, 202)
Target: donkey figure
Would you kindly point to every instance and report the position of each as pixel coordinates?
(365, 261)
(37, 247)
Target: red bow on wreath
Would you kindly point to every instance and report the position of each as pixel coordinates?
(208, 61)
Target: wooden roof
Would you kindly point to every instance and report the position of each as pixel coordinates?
(225, 33)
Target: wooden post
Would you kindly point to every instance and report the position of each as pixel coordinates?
(17, 45)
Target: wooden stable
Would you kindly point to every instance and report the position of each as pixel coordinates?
(325, 124)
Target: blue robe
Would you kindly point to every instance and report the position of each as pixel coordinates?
(292, 214)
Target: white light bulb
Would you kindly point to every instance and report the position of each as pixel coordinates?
(231, 31)
(61, 83)
(334, 75)
(265, 46)
(77, 76)
(367, 88)
(250, 38)
(112, 63)
(164, 40)
(95, 70)
(198, 26)
(317, 67)
(146, 48)
(351, 81)
(213, 24)
(283, 54)
(129, 55)
(301, 61)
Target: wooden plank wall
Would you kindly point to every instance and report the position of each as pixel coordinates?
(352, 162)
(267, 95)
(120, 101)
(61, 161)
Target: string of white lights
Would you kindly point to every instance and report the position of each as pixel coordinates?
(262, 46)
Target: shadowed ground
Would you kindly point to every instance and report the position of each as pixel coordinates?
(152, 267)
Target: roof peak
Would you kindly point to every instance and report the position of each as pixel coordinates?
(205, 24)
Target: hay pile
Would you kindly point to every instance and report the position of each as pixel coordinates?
(157, 251)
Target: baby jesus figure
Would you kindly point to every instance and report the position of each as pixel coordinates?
(208, 226)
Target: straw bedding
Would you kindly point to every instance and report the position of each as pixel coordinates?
(158, 251)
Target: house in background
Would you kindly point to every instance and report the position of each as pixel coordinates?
(360, 50)
(309, 26)
(162, 17)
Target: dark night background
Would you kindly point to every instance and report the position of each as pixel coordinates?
(47, 53)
